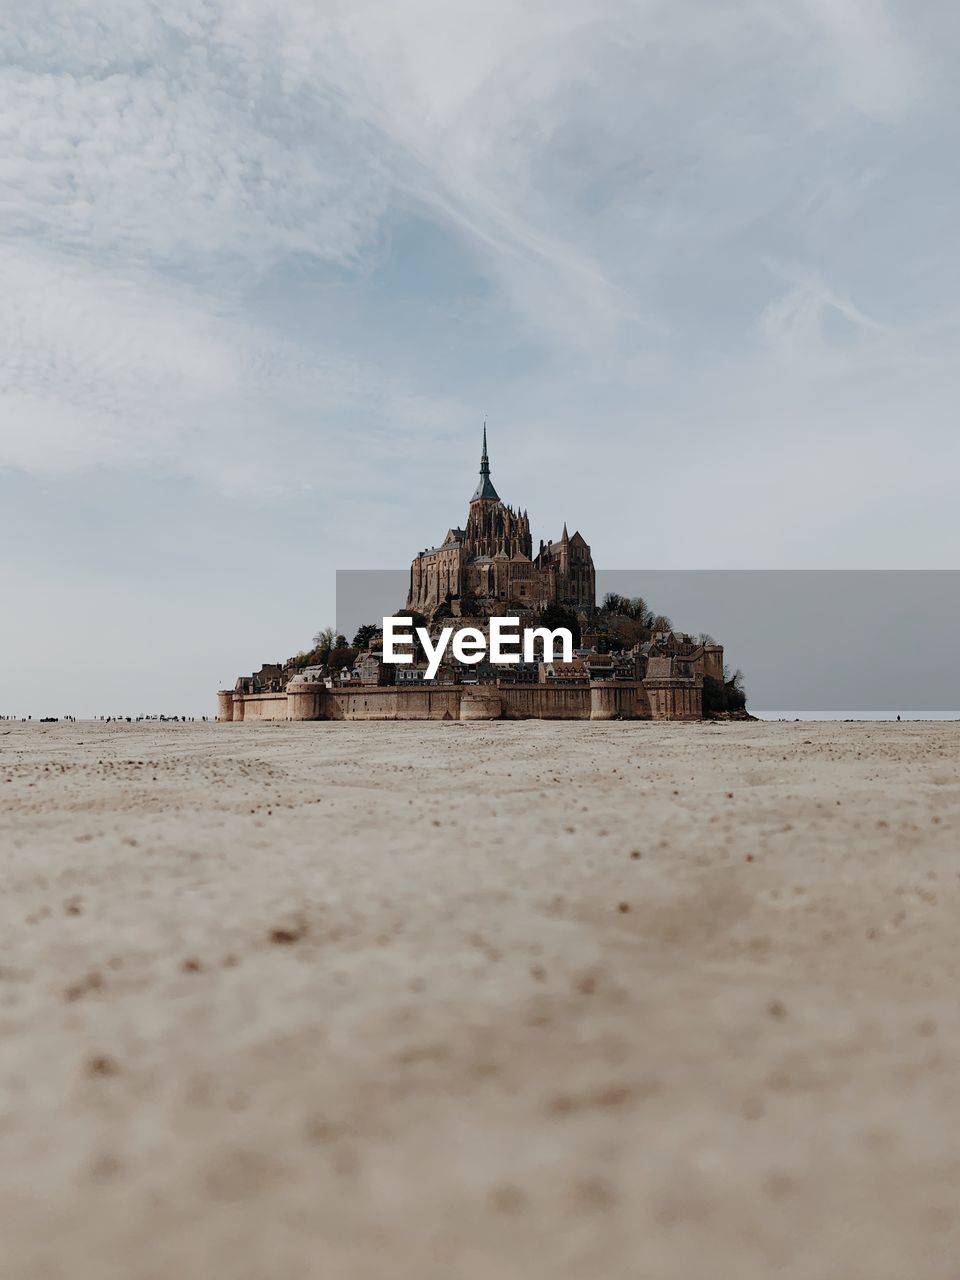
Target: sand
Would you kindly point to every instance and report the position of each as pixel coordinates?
(480, 1002)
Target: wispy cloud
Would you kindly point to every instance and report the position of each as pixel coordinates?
(617, 177)
(127, 371)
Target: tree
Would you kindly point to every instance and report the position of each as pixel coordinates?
(736, 691)
(324, 639)
(639, 611)
(301, 660)
(622, 611)
(714, 697)
(416, 619)
(365, 634)
(341, 656)
(623, 633)
(555, 615)
(724, 696)
(469, 605)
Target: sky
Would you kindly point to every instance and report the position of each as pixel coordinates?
(266, 266)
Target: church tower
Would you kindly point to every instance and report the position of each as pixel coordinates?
(491, 560)
(493, 529)
(485, 492)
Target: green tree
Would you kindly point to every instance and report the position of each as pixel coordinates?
(364, 635)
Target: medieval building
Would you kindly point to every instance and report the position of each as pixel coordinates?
(491, 563)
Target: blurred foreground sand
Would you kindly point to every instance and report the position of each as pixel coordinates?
(511, 1001)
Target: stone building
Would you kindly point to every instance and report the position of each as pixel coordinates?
(674, 653)
(491, 562)
(269, 679)
(373, 669)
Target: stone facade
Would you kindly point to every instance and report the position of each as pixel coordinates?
(269, 679)
(492, 561)
(585, 700)
(675, 655)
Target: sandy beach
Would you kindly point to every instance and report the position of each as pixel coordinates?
(501, 1001)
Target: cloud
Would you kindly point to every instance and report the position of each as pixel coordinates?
(124, 371)
(211, 132)
(150, 144)
(814, 325)
(878, 69)
(618, 175)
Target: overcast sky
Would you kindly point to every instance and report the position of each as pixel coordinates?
(265, 265)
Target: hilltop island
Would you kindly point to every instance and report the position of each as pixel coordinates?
(628, 663)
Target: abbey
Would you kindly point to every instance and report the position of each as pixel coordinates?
(488, 578)
(491, 562)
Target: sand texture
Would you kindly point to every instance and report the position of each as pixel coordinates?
(510, 1001)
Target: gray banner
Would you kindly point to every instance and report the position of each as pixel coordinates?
(806, 640)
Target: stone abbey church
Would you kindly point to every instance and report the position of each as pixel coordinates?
(491, 562)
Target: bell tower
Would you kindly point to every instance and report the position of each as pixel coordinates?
(485, 490)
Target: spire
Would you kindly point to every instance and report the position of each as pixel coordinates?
(485, 488)
(566, 536)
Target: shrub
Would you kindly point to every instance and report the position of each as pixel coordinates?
(723, 696)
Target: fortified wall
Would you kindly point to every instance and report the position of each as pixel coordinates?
(655, 699)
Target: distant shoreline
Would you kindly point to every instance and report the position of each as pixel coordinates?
(762, 714)
(864, 716)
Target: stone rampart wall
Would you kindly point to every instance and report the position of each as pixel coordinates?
(664, 699)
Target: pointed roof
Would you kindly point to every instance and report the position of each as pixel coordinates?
(485, 488)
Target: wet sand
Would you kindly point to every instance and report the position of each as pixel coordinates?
(513, 1001)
